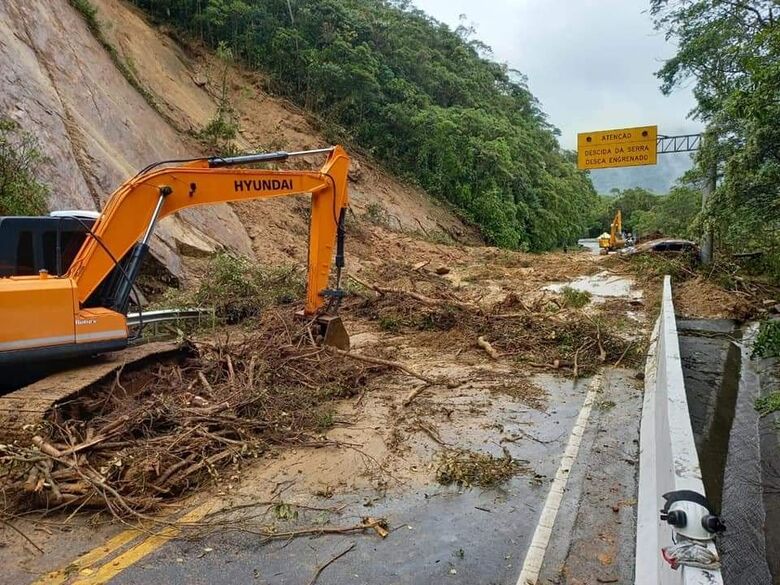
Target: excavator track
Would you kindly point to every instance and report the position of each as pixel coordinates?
(25, 410)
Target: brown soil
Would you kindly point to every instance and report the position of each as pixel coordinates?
(702, 298)
(185, 79)
(250, 389)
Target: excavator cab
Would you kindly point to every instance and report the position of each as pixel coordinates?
(31, 244)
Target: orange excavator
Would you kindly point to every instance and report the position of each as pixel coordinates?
(609, 242)
(83, 311)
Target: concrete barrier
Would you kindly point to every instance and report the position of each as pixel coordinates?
(668, 460)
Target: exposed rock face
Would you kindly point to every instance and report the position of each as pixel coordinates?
(61, 85)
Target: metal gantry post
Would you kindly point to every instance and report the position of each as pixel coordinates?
(690, 143)
(710, 183)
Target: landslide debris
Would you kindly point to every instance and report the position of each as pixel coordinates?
(238, 288)
(725, 289)
(154, 435)
(472, 469)
(542, 334)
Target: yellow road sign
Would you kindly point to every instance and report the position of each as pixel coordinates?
(623, 147)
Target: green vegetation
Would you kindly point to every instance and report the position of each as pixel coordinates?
(732, 52)
(651, 266)
(377, 214)
(424, 99)
(238, 288)
(21, 193)
(767, 343)
(644, 213)
(574, 298)
(222, 128)
(768, 404)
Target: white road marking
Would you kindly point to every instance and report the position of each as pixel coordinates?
(532, 565)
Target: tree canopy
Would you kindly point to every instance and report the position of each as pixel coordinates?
(731, 49)
(422, 98)
(645, 213)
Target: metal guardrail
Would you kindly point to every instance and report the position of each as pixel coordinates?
(169, 315)
(668, 460)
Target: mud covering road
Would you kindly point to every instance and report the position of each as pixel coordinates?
(380, 459)
(437, 533)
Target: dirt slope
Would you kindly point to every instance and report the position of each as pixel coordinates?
(61, 84)
(184, 81)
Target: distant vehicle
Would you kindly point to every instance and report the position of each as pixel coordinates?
(668, 245)
(612, 241)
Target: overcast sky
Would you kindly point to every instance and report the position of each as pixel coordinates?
(591, 63)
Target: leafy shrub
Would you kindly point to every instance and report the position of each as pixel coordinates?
(238, 288)
(574, 298)
(222, 128)
(650, 265)
(768, 404)
(767, 343)
(21, 193)
(377, 214)
(424, 99)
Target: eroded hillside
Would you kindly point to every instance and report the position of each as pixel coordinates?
(62, 85)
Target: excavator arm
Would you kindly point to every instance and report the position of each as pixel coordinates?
(84, 311)
(129, 219)
(616, 229)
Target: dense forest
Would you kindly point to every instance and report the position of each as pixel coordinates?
(731, 51)
(648, 214)
(424, 99)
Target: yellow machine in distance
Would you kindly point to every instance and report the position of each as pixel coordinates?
(609, 242)
(83, 311)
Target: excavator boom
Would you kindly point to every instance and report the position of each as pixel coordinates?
(84, 311)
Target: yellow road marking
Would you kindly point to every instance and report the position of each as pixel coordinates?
(131, 556)
(62, 575)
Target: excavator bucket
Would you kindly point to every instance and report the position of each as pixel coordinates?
(333, 332)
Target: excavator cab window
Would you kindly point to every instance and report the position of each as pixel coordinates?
(25, 254)
(31, 244)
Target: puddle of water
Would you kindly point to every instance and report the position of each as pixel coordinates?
(601, 286)
(591, 244)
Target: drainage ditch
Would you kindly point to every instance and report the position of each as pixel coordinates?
(737, 449)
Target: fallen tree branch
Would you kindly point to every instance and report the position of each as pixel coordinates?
(365, 284)
(330, 562)
(366, 524)
(431, 433)
(489, 349)
(205, 383)
(602, 353)
(417, 296)
(575, 368)
(22, 534)
(413, 394)
(388, 363)
(622, 355)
